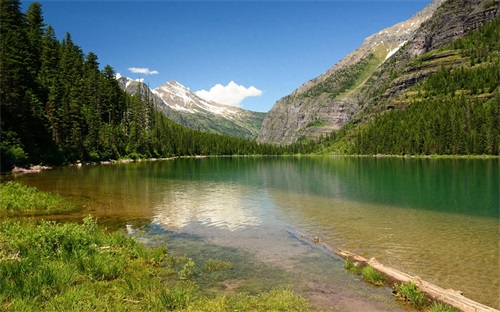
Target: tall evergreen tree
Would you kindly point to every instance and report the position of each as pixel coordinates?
(15, 63)
(35, 34)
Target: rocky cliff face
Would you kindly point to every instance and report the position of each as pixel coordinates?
(451, 21)
(178, 103)
(329, 101)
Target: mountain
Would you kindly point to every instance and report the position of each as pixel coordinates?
(183, 106)
(133, 87)
(330, 101)
(429, 85)
(438, 94)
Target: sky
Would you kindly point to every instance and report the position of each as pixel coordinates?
(243, 53)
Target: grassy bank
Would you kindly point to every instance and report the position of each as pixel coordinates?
(20, 200)
(79, 267)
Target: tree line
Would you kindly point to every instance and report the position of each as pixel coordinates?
(59, 107)
(455, 111)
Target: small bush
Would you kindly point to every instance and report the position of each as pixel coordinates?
(411, 294)
(372, 276)
(94, 156)
(11, 151)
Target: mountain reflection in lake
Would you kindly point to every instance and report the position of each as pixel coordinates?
(435, 218)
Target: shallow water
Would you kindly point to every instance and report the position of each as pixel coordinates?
(438, 219)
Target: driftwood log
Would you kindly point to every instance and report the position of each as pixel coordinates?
(447, 296)
(34, 169)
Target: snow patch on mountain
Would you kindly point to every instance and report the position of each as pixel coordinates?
(180, 98)
(395, 50)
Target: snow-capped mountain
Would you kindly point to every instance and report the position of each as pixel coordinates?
(183, 106)
(180, 98)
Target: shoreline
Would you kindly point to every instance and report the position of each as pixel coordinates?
(78, 163)
(433, 292)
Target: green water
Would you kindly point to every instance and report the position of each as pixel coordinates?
(435, 218)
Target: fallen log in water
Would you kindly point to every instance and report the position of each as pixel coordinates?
(448, 296)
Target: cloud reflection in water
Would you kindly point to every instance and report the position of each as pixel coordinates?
(223, 205)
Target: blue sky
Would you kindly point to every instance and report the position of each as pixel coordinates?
(274, 46)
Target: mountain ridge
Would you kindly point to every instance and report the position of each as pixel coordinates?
(180, 104)
(329, 101)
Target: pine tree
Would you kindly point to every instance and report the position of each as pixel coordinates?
(15, 60)
(35, 34)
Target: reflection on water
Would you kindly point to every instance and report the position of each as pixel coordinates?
(222, 205)
(438, 219)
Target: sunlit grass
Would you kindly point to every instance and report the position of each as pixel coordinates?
(79, 267)
(352, 267)
(372, 276)
(50, 266)
(217, 265)
(409, 293)
(17, 199)
(441, 307)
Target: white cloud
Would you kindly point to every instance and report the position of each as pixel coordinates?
(232, 94)
(144, 71)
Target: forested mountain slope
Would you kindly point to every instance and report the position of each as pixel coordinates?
(438, 94)
(344, 98)
(329, 101)
(57, 106)
(446, 101)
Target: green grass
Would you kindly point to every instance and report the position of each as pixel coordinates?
(441, 307)
(372, 276)
(352, 267)
(17, 200)
(79, 267)
(409, 293)
(46, 265)
(216, 265)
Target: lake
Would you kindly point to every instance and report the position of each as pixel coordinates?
(435, 218)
